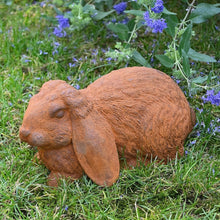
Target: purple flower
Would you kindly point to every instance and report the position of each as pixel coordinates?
(124, 21)
(72, 65)
(147, 19)
(212, 97)
(56, 44)
(42, 4)
(193, 142)
(25, 59)
(156, 25)
(114, 20)
(109, 59)
(158, 7)
(217, 129)
(119, 8)
(41, 52)
(69, 78)
(59, 32)
(95, 52)
(159, 25)
(54, 52)
(63, 22)
(200, 110)
(66, 208)
(93, 61)
(93, 15)
(75, 60)
(77, 86)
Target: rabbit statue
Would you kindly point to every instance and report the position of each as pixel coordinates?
(128, 112)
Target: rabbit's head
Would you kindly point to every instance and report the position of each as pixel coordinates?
(60, 115)
(46, 122)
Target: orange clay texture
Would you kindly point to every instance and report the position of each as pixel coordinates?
(129, 115)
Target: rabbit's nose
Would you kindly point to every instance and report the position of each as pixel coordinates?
(24, 133)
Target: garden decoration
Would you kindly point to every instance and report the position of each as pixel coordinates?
(135, 113)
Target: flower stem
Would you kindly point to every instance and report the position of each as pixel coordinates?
(132, 33)
(184, 19)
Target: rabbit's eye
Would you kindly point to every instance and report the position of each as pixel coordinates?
(56, 112)
(59, 114)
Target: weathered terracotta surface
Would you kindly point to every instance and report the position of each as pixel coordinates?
(128, 113)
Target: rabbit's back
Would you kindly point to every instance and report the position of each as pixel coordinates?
(137, 88)
(146, 109)
(135, 83)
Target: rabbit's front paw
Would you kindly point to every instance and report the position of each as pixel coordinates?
(53, 179)
(37, 159)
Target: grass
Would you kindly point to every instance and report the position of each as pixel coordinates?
(187, 188)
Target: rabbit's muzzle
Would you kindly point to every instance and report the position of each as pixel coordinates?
(36, 139)
(43, 140)
(24, 133)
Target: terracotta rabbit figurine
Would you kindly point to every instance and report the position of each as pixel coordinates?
(128, 112)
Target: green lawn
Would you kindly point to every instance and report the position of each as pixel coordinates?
(30, 54)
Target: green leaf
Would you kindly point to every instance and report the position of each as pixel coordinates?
(66, 4)
(185, 40)
(203, 12)
(109, 3)
(186, 65)
(193, 89)
(136, 56)
(140, 23)
(9, 3)
(172, 22)
(57, 10)
(131, 24)
(165, 60)
(135, 12)
(167, 12)
(200, 79)
(120, 29)
(199, 56)
(99, 15)
(178, 74)
(96, 14)
(101, 4)
(88, 8)
(134, 5)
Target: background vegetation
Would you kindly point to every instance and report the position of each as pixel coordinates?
(31, 54)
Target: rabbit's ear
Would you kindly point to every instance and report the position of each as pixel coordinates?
(94, 145)
(77, 103)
